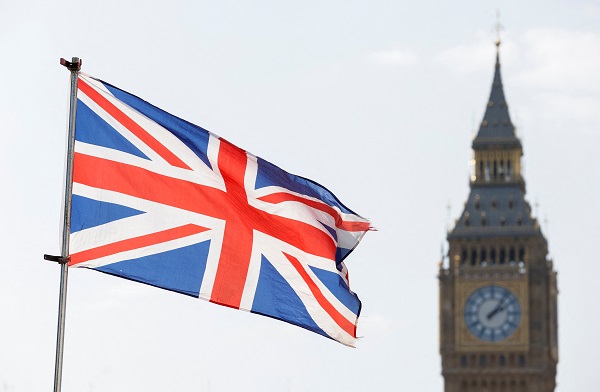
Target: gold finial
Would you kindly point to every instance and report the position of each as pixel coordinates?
(498, 27)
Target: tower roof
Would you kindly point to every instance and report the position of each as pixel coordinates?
(495, 211)
(496, 204)
(496, 129)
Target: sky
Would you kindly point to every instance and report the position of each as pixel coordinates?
(377, 100)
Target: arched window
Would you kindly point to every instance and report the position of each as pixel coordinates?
(508, 170)
(487, 171)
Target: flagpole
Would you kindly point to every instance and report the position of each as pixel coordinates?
(73, 66)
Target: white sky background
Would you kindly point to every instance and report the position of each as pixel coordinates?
(376, 100)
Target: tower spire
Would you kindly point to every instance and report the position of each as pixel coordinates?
(496, 128)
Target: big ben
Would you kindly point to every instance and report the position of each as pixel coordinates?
(498, 291)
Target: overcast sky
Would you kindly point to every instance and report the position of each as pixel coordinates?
(377, 100)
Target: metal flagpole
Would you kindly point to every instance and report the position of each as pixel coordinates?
(73, 66)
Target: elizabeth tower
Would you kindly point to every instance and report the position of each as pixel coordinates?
(498, 293)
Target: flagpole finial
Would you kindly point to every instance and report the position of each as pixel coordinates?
(73, 65)
(498, 27)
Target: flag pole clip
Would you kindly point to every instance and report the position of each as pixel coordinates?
(71, 65)
(58, 259)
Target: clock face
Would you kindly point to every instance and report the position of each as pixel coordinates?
(492, 313)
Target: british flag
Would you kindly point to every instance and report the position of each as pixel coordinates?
(164, 202)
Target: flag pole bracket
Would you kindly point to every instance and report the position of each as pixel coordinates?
(74, 65)
(58, 259)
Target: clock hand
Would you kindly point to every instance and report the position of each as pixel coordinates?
(498, 308)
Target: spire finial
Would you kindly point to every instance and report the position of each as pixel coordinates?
(498, 27)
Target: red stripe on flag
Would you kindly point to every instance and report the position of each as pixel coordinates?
(236, 250)
(131, 125)
(339, 319)
(136, 243)
(145, 184)
(276, 198)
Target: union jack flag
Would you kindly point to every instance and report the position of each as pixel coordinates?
(162, 201)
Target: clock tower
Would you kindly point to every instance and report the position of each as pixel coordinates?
(498, 292)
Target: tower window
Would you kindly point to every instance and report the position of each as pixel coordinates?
(473, 257)
(502, 256)
(463, 360)
(508, 173)
(511, 203)
(521, 255)
(484, 257)
(463, 256)
(487, 171)
(522, 360)
(511, 256)
(482, 361)
(495, 172)
(492, 256)
(502, 360)
(480, 169)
